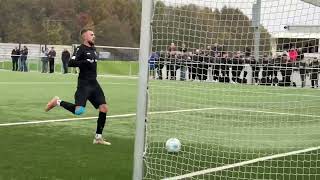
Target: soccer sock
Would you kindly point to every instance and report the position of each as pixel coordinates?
(101, 122)
(68, 106)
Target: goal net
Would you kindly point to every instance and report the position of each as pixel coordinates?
(237, 86)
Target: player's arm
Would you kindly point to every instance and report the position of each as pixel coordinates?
(76, 60)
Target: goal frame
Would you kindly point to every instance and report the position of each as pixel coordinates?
(141, 118)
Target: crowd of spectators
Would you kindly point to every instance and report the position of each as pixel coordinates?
(227, 67)
(19, 58)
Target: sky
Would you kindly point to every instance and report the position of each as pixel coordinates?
(275, 14)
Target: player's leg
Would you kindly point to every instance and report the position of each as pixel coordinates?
(80, 102)
(56, 101)
(98, 100)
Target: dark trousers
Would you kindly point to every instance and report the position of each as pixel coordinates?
(236, 71)
(225, 74)
(272, 76)
(255, 74)
(195, 71)
(159, 69)
(314, 79)
(203, 68)
(314, 83)
(171, 69)
(65, 66)
(244, 79)
(286, 73)
(15, 64)
(215, 69)
(303, 77)
(51, 65)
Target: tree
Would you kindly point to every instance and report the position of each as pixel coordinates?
(198, 27)
(60, 21)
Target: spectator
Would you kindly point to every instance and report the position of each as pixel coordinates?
(293, 54)
(51, 56)
(171, 66)
(160, 64)
(216, 50)
(216, 66)
(172, 49)
(286, 70)
(44, 59)
(153, 63)
(237, 67)
(15, 54)
(183, 61)
(255, 70)
(65, 57)
(224, 68)
(265, 65)
(303, 72)
(24, 56)
(314, 73)
(204, 64)
(195, 65)
(183, 49)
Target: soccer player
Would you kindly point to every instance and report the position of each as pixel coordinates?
(85, 57)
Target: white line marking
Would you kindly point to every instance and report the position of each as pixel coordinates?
(158, 112)
(86, 118)
(72, 74)
(119, 76)
(62, 120)
(34, 83)
(57, 83)
(270, 112)
(206, 171)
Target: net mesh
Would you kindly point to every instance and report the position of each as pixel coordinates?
(232, 82)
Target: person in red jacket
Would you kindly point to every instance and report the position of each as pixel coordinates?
(293, 54)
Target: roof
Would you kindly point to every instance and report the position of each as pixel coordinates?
(295, 35)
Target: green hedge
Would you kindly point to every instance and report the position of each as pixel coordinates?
(104, 67)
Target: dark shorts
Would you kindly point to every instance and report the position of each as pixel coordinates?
(89, 91)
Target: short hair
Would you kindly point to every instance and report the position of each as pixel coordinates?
(84, 31)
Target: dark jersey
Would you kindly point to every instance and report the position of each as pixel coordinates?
(86, 59)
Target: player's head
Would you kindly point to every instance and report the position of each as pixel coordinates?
(88, 36)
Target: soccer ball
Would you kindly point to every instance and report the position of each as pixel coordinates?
(173, 145)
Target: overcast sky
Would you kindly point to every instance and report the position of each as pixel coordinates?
(274, 13)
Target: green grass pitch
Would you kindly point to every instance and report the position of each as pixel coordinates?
(64, 150)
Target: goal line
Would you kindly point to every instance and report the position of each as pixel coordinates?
(216, 169)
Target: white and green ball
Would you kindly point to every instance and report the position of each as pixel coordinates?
(173, 145)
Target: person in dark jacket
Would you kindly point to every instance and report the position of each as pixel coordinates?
(51, 56)
(65, 57)
(237, 67)
(224, 68)
(15, 54)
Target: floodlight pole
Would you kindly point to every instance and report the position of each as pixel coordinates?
(144, 53)
(256, 14)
